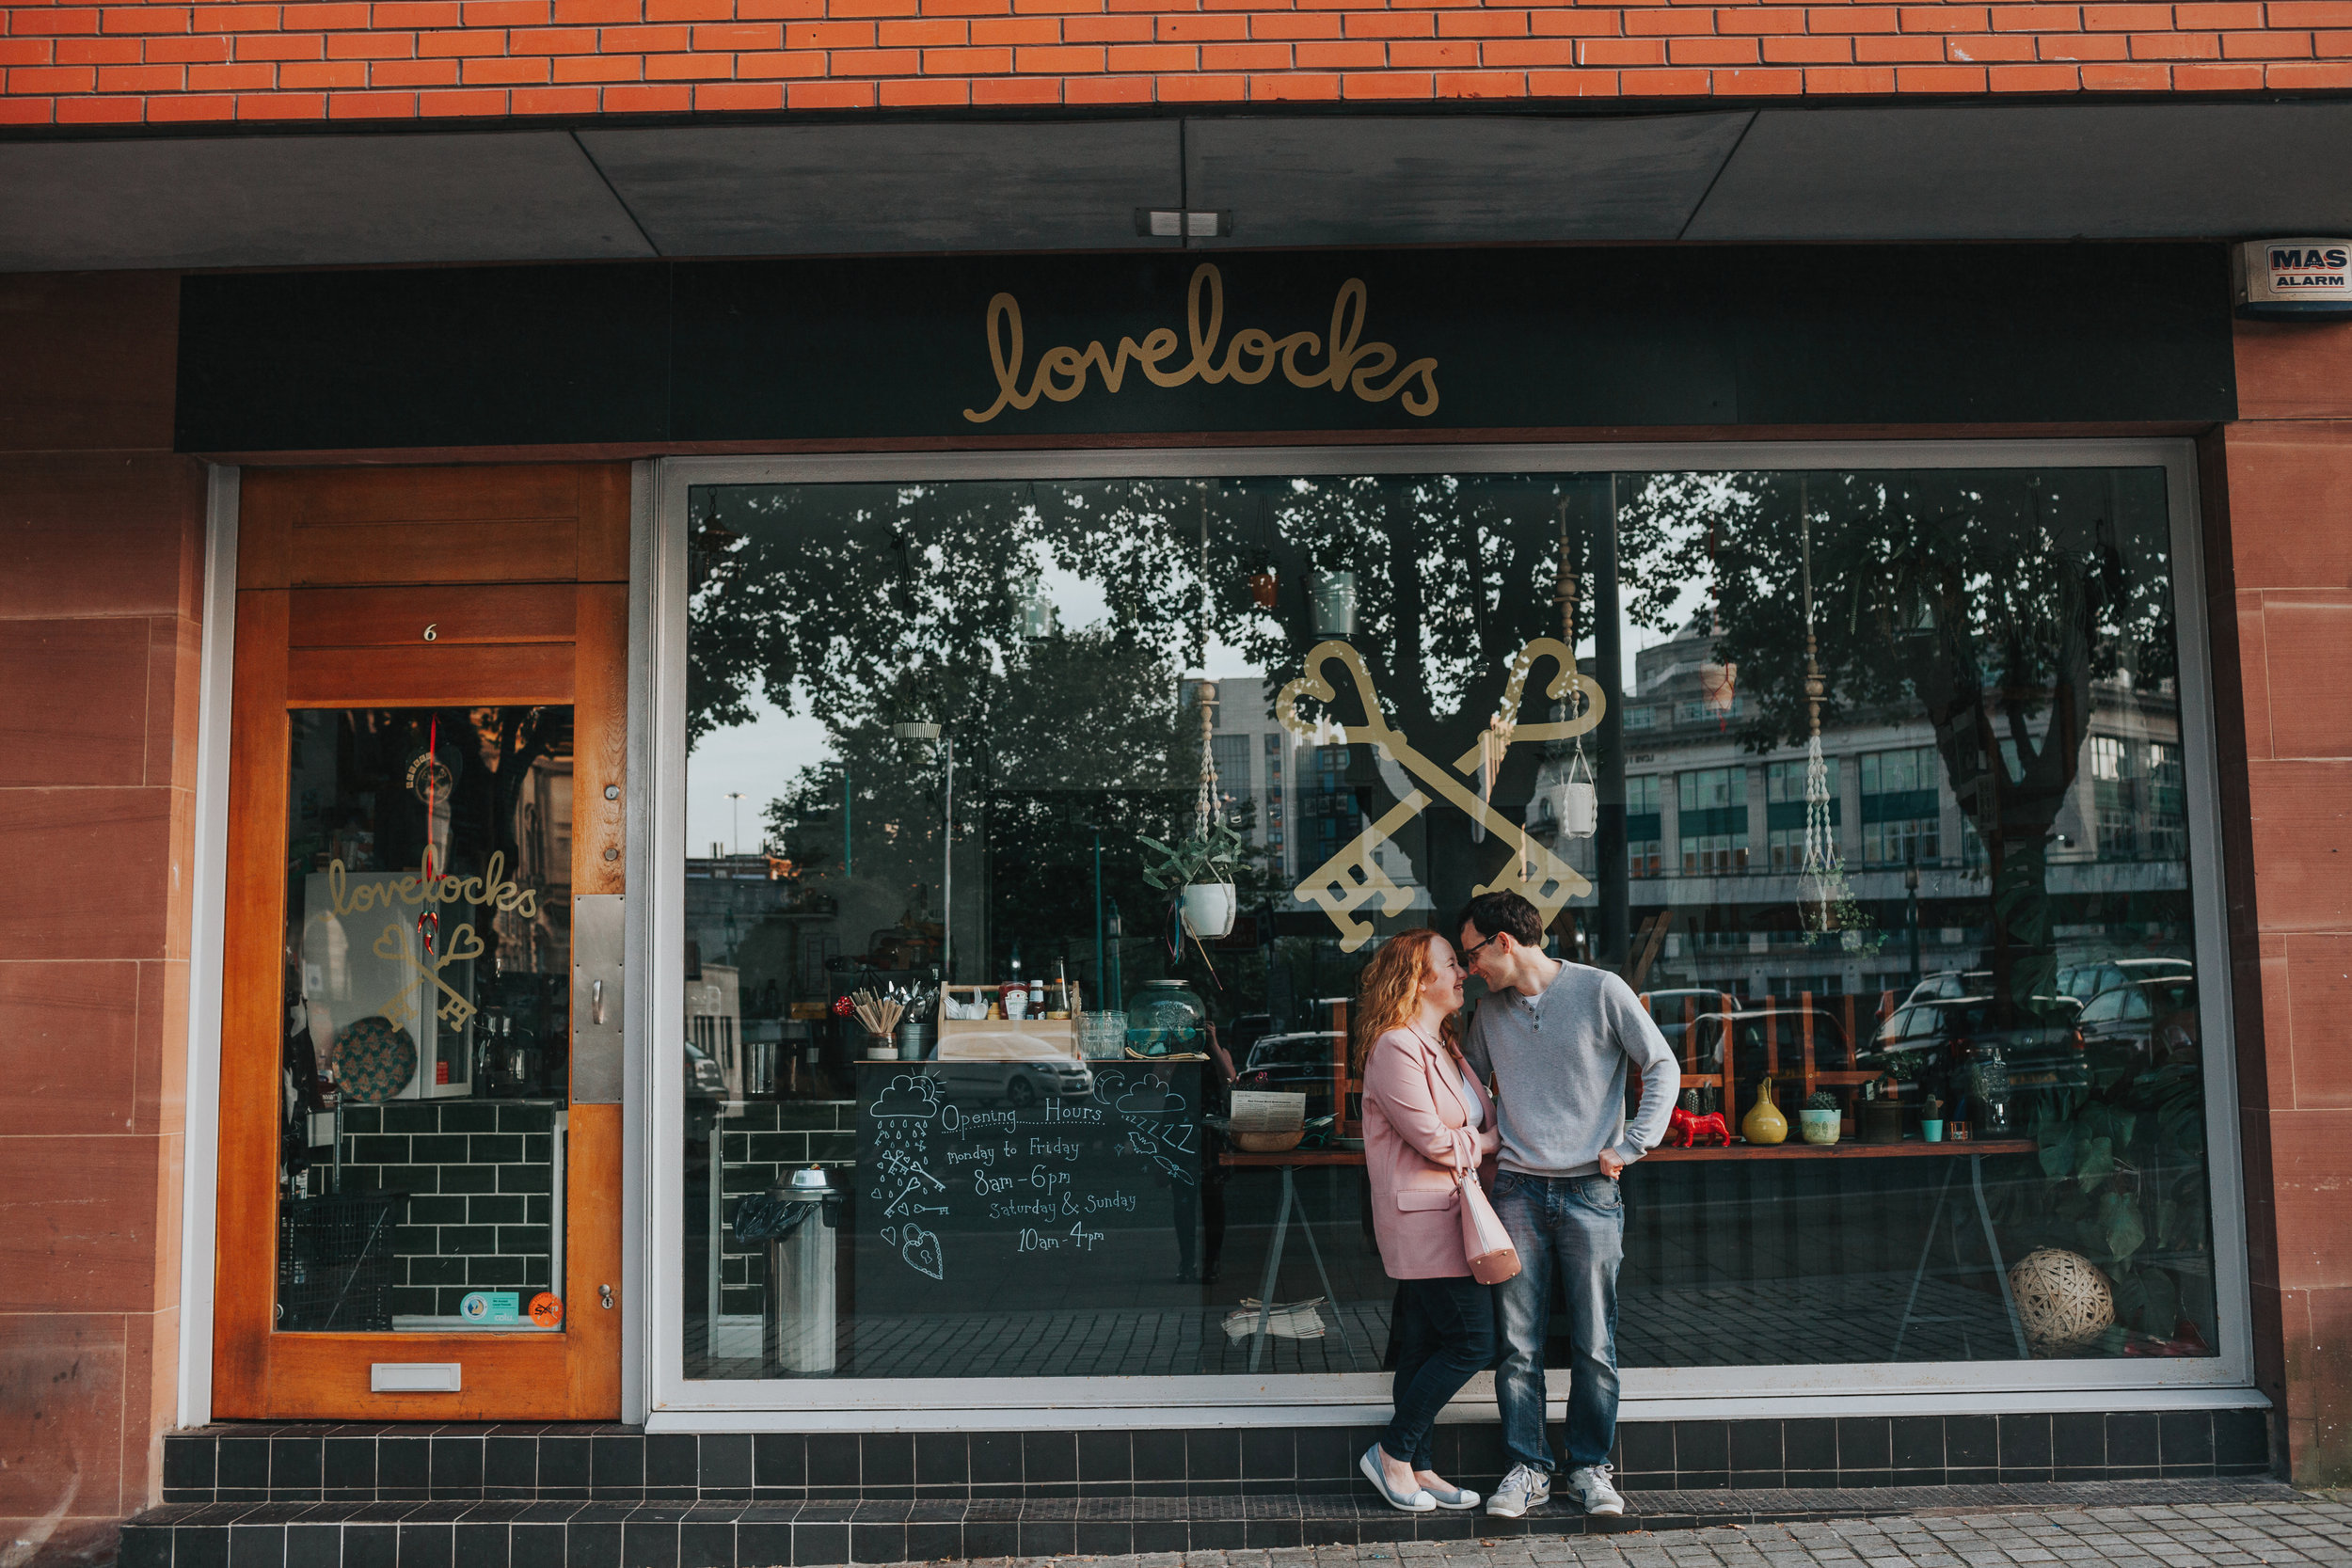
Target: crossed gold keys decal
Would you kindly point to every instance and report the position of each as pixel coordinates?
(463, 945)
(1351, 880)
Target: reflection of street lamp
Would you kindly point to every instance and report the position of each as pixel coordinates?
(1911, 886)
(736, 839)
(948, 832)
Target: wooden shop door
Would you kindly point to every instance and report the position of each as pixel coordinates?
(421, 1083)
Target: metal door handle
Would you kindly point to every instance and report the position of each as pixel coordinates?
(595, 1001)
(605, 1292)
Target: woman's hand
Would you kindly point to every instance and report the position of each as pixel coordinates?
(1489, 1141)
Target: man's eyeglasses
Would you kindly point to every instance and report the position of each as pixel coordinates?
(1469, 952)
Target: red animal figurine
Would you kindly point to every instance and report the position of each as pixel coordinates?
(1686, 1131)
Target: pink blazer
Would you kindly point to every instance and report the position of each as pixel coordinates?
(1417, 1135)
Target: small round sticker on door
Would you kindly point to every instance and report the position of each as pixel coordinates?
(546, 1309)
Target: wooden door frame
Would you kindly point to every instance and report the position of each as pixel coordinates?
(523, 572)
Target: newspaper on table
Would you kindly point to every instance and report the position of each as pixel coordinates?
(1293, 1320)
(1262, 1110)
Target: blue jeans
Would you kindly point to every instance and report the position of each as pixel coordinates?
(1572, 1229)
(1445, 1336)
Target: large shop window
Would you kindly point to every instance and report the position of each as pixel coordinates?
(1048, 825)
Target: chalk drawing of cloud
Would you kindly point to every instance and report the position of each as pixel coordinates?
(1148, 1099)
(908, 1096)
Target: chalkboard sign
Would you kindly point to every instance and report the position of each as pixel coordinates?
(994, 1186)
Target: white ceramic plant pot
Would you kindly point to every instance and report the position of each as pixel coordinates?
(1209, 909)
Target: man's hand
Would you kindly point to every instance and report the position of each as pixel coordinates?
(1611, 1166)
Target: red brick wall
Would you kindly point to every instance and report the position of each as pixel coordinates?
(101, 531)
(83, 62)
(2282, 612)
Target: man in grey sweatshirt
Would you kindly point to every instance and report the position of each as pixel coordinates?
(1559, 1041)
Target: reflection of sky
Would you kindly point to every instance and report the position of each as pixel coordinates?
(761, 758)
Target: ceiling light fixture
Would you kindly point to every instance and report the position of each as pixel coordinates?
(1174, 223)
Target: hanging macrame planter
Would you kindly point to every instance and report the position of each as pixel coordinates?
(1821, 883)
(1580, 798)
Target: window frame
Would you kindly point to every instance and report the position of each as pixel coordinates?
(659, 638)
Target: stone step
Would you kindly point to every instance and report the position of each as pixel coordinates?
(786, 1535)
(255, 1462)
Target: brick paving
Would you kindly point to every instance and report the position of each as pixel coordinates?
(2288, 1528)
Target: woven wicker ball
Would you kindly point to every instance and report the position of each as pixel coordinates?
(2062, 1298)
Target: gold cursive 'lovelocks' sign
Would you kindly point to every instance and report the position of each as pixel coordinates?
(1249, 357)
(491, 888)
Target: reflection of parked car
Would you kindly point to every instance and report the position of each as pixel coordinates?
(1294, 1064)
(1754, 1032)
(704, 1080)
(2090, 981)
(1673, 1011)
(1019, 1083)
(2156, 1016)
(1950, 985)
(1926, 1041)
(1762, 1041)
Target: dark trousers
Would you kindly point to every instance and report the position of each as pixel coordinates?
(1445, 1336)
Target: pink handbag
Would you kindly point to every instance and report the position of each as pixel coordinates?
(1492, 1258)
(1485, 1244)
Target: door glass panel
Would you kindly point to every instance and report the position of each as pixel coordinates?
(427, 1024)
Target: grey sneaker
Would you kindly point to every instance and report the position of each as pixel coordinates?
(1592, 1488)
(1524, 1488)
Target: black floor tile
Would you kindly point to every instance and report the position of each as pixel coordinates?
(927, 1542)
(148, 1546)
(477, 1543)
(371, 1545)
(428, 1545)
(707, 1544)
(769, 1544)
(649, 1543)
(811, 1543)
(198, 1547)
(256, 1545)
(590, 1544)
(1048, 1537)
(1151, 1535)
(986, 1538)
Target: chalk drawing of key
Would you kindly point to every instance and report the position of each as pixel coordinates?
(900, 1206)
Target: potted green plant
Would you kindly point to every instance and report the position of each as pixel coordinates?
(1817, 1118)
(1199, 872)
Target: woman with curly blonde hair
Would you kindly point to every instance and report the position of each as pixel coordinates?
(1427, 1120)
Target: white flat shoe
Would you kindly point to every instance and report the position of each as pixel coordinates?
(1459, 1498)
(1415, 1501)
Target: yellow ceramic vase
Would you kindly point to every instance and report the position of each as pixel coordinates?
(1764, 1124)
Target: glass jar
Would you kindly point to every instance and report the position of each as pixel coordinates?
(1165, 1019)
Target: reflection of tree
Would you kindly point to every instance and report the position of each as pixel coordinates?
(872, 604)
(490, 752)
(1987, 602)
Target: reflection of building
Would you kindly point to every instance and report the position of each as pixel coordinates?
(749, 913)
(1302, 809)
(714, 1021)
(1716, 834)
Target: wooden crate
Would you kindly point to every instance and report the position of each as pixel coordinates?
(1001, 1039)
